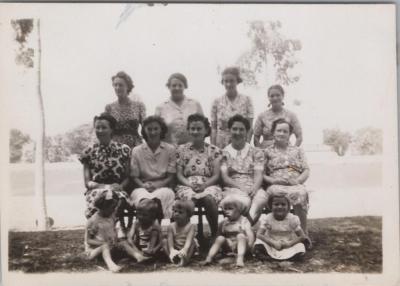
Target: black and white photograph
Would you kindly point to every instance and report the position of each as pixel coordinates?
(199, 144)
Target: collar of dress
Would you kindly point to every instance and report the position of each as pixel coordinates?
(238, 153)
(147, 147)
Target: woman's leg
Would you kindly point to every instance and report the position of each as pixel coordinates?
(167, 198)
(211, 208)
(241, 249)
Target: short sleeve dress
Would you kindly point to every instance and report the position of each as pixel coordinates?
(108, 165)
(175, 117)
(222, 109)
(129, 117)
(288, 164)
(263, 125)
(197, 167)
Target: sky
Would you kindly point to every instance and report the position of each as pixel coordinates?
(347, 61)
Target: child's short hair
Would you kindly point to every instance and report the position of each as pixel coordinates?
(186, 205)
(232, 201)
(149, 206)
(106, 199)
(272, 197)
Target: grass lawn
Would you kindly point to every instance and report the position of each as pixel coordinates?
(350, 244)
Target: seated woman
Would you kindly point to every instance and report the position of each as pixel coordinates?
(287, 170)
(242, 168)
(106, 165)
(198, 169)
(153, 166)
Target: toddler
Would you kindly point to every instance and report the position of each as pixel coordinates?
(181, 243)
(280, 235)
(100, 232)
(234, 232)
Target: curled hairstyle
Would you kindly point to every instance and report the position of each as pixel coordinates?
(105, 201)
(239, 118)
(195, 117)
(281, 121)
(186, 205)
(159, 120)
(126, 78)
(278, 87)
(232, 201)
(232, 71)
(271, 200)
(179, 77)
(108, 117)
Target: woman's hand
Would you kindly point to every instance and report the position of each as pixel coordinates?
(115, 187)
(93, 185)
(149, 186)
(279, 181)
(293, 182)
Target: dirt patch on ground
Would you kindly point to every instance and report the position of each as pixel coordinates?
(352, 244)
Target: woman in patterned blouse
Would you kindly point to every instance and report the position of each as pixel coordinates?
(287, 170)
(262, 127)
(106, 165)
(226, 106)
(198, 169)
(242, 169)
(128, 113)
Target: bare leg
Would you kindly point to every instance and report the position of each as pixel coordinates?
(241, 248)
(302, 214)
(164, 243)
(256, 209)
(214, 249)
(107, 259)
(189, 255)
(133, 251)
(95, 252)
(211, 214)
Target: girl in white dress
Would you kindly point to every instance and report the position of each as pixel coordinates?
(280, 235)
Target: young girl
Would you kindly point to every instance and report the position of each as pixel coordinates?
(100, 233)
(280, 235)
(235, 234)
(144, 237)
(181, 243)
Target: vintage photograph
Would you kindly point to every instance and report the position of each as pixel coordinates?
(174, 143)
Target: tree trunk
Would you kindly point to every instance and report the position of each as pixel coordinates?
(40, 194)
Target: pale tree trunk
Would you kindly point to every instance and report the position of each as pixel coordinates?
(40, 194)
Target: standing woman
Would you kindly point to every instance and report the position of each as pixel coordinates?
(264, 121)
(198, 170)
(105, 165)
(176, 110)
(128, 113)
(153, 166)
(228, 105)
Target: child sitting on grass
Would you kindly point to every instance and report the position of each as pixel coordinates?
(100, 233)
(234, 232)
(144, 237)
(181, 243)
(280, 235)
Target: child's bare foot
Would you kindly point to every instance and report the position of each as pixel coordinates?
(115, 269)
(205, 262)
(239, 262)
(142, 258)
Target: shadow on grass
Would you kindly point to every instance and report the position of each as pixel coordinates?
(351, 244)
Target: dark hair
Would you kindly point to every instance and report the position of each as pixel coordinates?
(199, 117)
(126, 78)
(232, 71)
(102, 202)
(159, 120)
(273, 196)
(108, 117)
(276, 86)
(149, 205)
(280, 121)
(186, 205)
(178, 76)
(239, 118)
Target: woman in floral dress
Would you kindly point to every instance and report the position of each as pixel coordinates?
(128, 113)
(198, 170)
(228, 105)
(262, 127)
(106, 165)
(287, 170)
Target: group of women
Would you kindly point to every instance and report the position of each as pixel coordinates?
(176, 162)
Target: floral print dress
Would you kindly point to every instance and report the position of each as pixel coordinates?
(222, 109)
(128, 117)
(288, 164)
(107, 165)
(197, 167)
